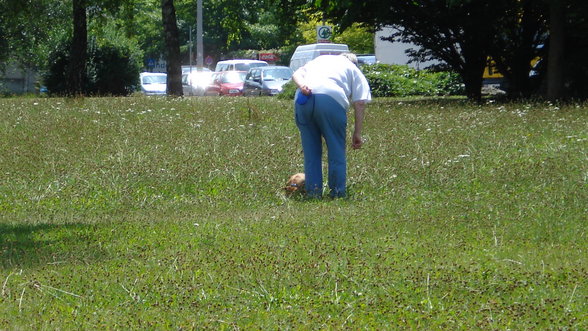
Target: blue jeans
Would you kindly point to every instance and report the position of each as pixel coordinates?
(323, 117)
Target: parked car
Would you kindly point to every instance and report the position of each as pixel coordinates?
(153, 83)
(266, 80)
(227, 83)
(196, 82)
(238, 65)
(187, 68)
(366, 59)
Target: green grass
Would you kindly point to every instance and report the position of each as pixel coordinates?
(155, 213)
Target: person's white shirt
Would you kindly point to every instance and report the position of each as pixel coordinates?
(337, 77)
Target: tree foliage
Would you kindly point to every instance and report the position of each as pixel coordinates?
(463, 33)
(359, 38)
(231, 25)
(519, 37)
(456, 32)
(30, 29)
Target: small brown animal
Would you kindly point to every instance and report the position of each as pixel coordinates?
(295, 183)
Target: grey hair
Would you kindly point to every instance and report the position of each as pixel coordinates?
(351, 57)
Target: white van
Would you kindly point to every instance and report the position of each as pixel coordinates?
(238, 65)
(305, 53)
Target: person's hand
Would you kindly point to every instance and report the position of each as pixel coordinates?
(356, 141)
(305, 90)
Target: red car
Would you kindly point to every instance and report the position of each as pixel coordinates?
(227, 83)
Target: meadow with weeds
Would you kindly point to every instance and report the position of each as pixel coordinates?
(161, 213)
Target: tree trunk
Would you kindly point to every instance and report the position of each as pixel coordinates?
(172, 43)
(518, 79)
(76, 71)
(555, 61)
(473, 86)
(473, 70)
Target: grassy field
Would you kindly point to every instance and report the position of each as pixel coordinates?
(155, 213)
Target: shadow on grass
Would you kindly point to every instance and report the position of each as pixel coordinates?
(25, 246)
(425, 101)
(444, 101)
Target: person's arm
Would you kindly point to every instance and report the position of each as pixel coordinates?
(359, 109)
(298, 78)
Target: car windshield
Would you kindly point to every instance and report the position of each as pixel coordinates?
(233, 77)
(187, 69)
(247, 66)
(367, 59)
(156, 79)
(200, 77)
(277, 74)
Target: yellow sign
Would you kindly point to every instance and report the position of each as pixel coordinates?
(491, 71)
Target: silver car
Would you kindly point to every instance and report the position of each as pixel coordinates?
(266, 80)
(153, 83)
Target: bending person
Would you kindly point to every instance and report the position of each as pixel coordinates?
(326, 87)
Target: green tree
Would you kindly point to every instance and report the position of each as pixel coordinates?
(359, 38)
(79, 46)
(225, 23)
(112, 67)
(30, 29)
(231, 25)
(264, 32)
(140, 20)
(457, 32)
(520, 34)
(463, 33)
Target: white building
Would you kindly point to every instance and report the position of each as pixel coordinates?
(15, 80)
(395, 52)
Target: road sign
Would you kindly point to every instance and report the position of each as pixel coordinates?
(208, 60)
(324, 33)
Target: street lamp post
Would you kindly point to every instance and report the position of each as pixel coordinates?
(190, 45)
(199, 43)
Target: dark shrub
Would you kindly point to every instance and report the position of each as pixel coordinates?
(55, 76)
(110, 69)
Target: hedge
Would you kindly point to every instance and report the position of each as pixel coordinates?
(401, 80)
